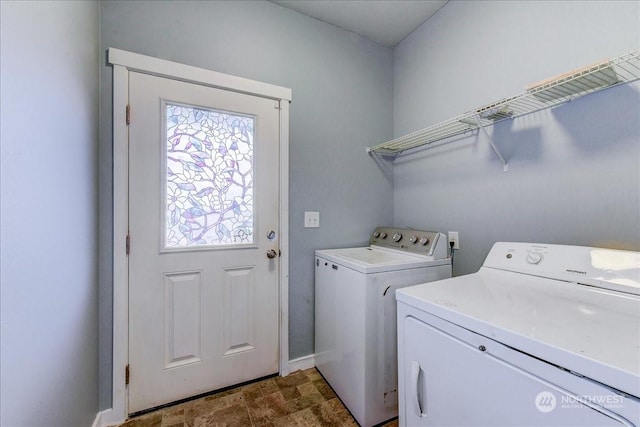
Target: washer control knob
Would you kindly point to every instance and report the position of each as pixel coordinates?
(397, 237)
(383, 235)
(424, 241)
(534, 258)
(376, 234)
(413, 239)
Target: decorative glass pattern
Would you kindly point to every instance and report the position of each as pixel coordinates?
(209, 177)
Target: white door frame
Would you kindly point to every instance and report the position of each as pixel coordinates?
(123, 62)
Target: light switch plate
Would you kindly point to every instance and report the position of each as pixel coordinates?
(311, 219)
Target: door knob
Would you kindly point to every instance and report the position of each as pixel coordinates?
(271, 253)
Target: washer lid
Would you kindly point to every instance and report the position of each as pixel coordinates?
(373, 259)
(591, 331)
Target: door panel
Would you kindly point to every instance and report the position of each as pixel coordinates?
(182, 319)
(203, 192)
(239, 300)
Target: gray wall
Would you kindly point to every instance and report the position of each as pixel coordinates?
(574, 170)
(49, 69)
(342, 102)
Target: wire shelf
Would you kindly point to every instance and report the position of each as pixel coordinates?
(540, 96)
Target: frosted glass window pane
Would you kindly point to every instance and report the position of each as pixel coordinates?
(209, 189)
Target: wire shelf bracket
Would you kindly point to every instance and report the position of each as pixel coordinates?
(539, 96)
(505, 166)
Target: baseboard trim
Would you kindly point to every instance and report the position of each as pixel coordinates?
(107, 418)
(97, 422)
(301, 363)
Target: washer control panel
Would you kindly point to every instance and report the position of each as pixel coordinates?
(416, 241)
(606, 268)
(534, 258)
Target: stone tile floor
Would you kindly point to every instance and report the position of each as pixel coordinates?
(300, 399)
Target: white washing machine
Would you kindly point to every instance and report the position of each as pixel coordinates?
(541, 335)
(355, 314)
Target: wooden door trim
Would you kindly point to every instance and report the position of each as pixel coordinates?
(124, 62)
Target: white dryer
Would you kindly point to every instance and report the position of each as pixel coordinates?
(541, 335)
(355, 314)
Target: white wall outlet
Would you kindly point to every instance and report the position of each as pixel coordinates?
(453, 237)
(311, 219)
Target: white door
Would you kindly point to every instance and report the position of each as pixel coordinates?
(203, 223)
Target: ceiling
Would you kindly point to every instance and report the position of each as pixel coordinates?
(384, 21)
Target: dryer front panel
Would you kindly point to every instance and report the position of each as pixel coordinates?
(451, 376)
